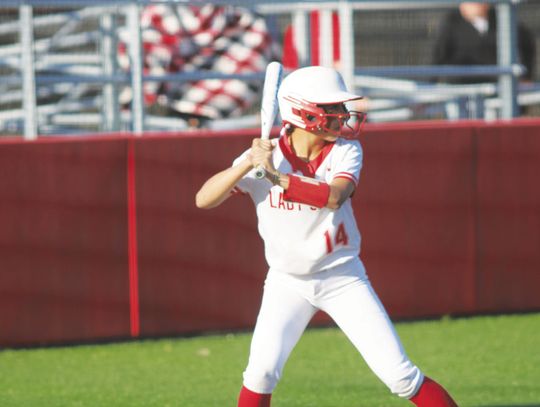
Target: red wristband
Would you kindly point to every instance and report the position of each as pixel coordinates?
(307, 191)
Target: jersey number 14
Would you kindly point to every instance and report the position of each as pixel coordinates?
(340, 238)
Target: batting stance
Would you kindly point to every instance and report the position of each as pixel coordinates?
(311, 239)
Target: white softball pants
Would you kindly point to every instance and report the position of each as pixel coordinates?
(345, 294)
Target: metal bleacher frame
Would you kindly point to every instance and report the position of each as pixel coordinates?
(392, 91)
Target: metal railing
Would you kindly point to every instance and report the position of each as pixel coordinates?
(72, 74)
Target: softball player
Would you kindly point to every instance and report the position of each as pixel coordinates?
(311, 239)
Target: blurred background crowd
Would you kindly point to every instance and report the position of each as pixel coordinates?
(211, 40)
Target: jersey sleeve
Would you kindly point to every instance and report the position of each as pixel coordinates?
(245, 185)
(350, 163)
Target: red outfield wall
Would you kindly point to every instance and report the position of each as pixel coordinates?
(100, 238)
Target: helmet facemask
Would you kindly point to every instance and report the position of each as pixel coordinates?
(313, 117)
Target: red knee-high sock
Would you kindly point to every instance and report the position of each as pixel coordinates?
(249, 398)
(432, 394)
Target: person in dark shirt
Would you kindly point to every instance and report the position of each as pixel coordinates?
(468, 36)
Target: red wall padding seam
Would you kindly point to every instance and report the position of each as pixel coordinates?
(134, 312)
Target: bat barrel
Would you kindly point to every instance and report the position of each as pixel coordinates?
(269, 105)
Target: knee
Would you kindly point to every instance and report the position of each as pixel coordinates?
(261, 380)
(406, 383)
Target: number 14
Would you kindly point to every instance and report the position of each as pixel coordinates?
(341, 238)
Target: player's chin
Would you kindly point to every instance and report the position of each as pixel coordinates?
(327, 135)
(330, 137)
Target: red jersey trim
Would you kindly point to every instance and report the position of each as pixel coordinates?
(346, 175)
(308, 169)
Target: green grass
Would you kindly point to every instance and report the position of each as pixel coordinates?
(483, 361)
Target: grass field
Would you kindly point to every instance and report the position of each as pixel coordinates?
(483, 361)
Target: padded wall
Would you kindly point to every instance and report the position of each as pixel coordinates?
(100, 237)
(198, 269)
(63, 248)
(415, 209)
(508, 216)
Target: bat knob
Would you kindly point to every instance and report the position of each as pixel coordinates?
(260, 172)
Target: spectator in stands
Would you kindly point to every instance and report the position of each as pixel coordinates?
(468, 36)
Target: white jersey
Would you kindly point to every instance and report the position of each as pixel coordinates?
(300, 239)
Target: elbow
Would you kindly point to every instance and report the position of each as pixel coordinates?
(334, 203)
(204, 201)
(333, 206)
(201, 202)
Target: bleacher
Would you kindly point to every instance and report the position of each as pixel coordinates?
(385, 55)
